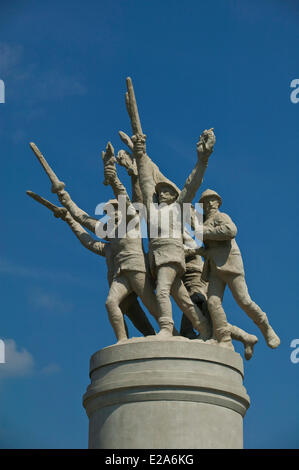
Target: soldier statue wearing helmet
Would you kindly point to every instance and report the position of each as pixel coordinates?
(169, 269)
(224, 266)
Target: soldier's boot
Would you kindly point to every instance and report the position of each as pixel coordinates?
(248, 340)
(267, 331)
(189, 333)
(223, 336)
(175, 331)
(166, 328)
(116, 319)
(186, 329)
(261, 320)
(200, 323)
(203, 328)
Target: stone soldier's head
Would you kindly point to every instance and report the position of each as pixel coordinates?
(167, 192)
(211, 201)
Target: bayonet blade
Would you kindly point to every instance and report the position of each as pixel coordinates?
(57, 185)
(132, 108)
(42, 200)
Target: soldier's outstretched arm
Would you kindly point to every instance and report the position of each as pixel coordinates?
(62, 213)
(136, 190)
(145, 171)
(78, 214)
(128, 161)
(205, 148)
(111, 176)
(85, 239)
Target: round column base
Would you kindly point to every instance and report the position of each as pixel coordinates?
(153, 394)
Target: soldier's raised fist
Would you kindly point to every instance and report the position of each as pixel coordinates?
(205, 145)
(139, 142)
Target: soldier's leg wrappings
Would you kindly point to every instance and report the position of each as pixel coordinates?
(192, 311)
(166, 275)
(119, 290)
(238, 287)
(215, 294)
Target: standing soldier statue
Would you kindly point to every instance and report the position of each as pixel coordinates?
(198, 289)
(166, 250)
(224, 266)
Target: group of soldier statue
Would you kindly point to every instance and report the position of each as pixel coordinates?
(174, 263)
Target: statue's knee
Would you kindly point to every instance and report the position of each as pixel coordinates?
(110, 304)
(246, 302)
(162, 293)
(213, 303)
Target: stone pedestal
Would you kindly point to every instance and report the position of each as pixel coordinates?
(175, 394)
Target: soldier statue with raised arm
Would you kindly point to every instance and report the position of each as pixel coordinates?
(125, 258)
(173, 266)
(166, 389)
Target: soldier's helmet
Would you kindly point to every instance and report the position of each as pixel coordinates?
(208, 193)
(167, 183)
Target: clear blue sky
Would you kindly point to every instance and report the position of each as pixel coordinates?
(195, 65)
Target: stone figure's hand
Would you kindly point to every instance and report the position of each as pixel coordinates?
(124, 159)
(190, 252)
(206, 144)
(139, 142)
(109, 163)
(62, 196)
(109, 173)
(201, 251)
(109, 153)
(60, 213)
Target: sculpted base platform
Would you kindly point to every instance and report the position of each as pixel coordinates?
(176, 394)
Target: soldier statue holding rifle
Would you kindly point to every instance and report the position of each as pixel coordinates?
(173, 266)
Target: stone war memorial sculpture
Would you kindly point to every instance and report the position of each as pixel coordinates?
(175, 386)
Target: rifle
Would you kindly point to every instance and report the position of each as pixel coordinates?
(126, 139)
(132, 108)
(57, 185)
(57, 211)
